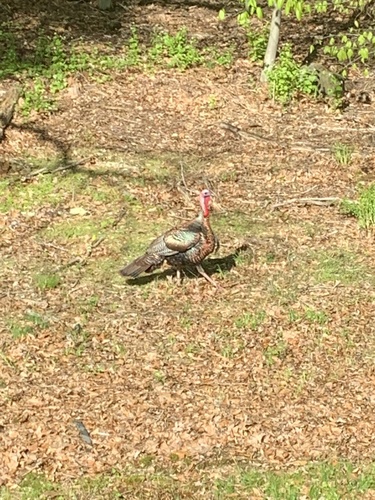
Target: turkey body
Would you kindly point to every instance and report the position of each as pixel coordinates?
(180, 247)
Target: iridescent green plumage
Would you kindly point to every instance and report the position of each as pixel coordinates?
(180, 247)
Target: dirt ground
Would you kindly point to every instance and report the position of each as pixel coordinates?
(277, 367)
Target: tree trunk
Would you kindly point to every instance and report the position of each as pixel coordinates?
(7, 105)
(104, 4)
(273, 42)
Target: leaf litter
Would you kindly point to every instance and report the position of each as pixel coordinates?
(161, 370)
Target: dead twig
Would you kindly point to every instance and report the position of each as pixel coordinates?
(44, 244)
(119, 218)
(46, 170)
(83, 260)
(324, 202)
(247, 135)
(183, 179)
(294, 146)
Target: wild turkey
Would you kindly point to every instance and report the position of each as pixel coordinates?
(183, 246)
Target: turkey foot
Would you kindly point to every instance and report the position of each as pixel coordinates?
(202, 272)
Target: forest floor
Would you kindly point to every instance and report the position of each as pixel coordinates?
(264, 388)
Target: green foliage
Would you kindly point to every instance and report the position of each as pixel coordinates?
(287, 78)
(343, 153)
(176, 49)
(353, 46)
(45, 70)
(213, 57)
(257, 44)
(133, 49)
(251, 320)
(363, 209)
(339, 265)
(46, 281)
(30, 322)
(276, 351)
(319, 317)
(315, 481)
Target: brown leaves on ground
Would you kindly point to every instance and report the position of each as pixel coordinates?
(276, 368)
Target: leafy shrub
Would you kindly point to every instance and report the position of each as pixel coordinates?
(287, 77)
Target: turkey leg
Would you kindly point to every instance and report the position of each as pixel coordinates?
(205, 275)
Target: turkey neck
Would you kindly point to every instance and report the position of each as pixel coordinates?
(206, 226)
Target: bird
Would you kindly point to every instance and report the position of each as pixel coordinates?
(187, 245)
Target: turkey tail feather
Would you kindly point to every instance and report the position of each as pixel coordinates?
(144, 264)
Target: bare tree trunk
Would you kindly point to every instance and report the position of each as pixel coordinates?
(7, 105)
(104, 4)
(273, 42)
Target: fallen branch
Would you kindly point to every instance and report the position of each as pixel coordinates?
(247, 135)
(293, 146)
(323, 202)
(47, 170)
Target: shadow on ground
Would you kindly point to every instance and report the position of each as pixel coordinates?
(211, 267)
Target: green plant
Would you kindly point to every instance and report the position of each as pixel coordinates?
(228, 351)
(257, 44)
(177, 49)
(339, 265)
(316, 316)
(293, 315)
(212, 101)
(286, 78)
(31, 321)
(354, 45)
(46, 68)
(46, 281)
(277, 350)
(214, 57)
(363, 209)
(133, 49)
(250, 320)
(342, 153)
(159, 376)
(37, 319)
(18, 330)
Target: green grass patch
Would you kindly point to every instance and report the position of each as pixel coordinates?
(27, 196)
(31, 322)
(275, 351)
(313, 481)
(250, 320)
(343, 153)
(339, 265)
(364, 208)
(74, 228)
(314, 316)
(53, 190)
(46, 280)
